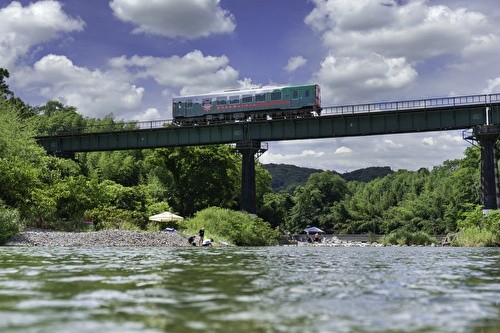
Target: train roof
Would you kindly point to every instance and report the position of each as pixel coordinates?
(251, 91)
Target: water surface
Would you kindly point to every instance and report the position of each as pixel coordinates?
(267, 289)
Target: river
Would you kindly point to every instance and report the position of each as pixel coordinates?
(254, 289)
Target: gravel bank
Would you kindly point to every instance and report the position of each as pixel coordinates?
(336, 242)
(36, 237)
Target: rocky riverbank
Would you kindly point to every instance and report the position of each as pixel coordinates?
(336, 242)
(37, 237)
(125, 238)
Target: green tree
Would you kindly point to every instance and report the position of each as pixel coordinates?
(276, 208)
(313, 202)
(4, 88)
(54, 117)
(201, 176)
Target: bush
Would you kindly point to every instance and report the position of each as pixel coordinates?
(403, 237)
(479, 229)
(236, 227)
(477, 237)
(9, 224)
(110, 217)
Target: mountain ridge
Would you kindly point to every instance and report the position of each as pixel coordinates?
(286, 177)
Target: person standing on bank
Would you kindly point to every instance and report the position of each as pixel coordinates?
(201, 233)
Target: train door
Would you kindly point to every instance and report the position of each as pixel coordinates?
(189, 107)
(296, 99)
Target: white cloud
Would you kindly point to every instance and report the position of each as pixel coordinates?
(21, 28)
(493, 85)
(175, 18)
(407, 36)
(443, 141)
(193, 73)
(311, 153)
(294, 63)
(363, 78)
(415, 31)
(429, 142)
(343, 150)
(94, 93)
(291, 157)
(149, 114)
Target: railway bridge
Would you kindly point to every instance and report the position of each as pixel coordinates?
(477, 115)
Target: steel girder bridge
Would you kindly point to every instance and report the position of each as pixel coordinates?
(479, 115)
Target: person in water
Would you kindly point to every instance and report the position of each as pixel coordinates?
(202, 234)
(191, 240)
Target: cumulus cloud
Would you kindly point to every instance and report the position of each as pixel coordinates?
(493, 85)
(415, 30)
(429, 141)
(175, 18)
(21, 28)
(343, 150)
(149, 114)
(403, 34)
(442, 142)
(294, 63)
(94, 93)
(291, 158)
(363, 78)
(193, 73)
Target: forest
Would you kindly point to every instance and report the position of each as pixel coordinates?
(121, 189)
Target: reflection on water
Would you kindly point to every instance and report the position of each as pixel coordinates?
(272, 289)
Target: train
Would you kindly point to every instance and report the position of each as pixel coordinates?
(256, 104)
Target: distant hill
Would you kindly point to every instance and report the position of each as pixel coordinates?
(367, 174)
(287, 177)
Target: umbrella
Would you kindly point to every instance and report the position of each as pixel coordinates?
(314, 229)
(166, 217)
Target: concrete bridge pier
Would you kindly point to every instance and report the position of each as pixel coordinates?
(248, 150)
(487, 136)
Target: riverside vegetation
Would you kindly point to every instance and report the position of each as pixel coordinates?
(121, 189)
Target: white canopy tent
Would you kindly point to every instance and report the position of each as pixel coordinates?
(166, 217)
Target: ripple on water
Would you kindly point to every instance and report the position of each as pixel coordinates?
(249, 289)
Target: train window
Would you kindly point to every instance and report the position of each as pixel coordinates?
(307, 93)
(189, 103)
(260, 98)
(222, 100)
(295, 94)
(234, 99)
(276, 96)
(246, 99)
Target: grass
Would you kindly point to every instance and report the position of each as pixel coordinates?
(402, 237)
(477, 237)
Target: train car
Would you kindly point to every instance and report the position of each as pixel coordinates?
(248, 105)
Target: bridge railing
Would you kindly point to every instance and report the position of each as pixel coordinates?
(112, 127)
(413, 104)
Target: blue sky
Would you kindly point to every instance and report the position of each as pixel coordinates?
(130, 57)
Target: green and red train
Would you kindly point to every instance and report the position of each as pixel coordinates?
(248, 105)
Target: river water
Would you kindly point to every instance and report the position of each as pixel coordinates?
(264, 289)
